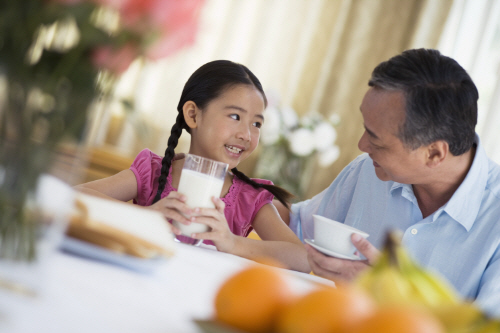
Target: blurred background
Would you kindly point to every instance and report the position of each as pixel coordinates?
(314, 59)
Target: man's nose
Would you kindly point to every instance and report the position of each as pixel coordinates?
(363, 143)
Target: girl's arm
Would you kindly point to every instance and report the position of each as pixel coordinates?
(121, 186)
(278, 241)
(283, 211)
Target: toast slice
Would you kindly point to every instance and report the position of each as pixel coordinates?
(121, 227)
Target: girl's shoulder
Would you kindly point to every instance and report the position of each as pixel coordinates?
(147, 157)
(261, 181)
(242, 193)
(147, 168)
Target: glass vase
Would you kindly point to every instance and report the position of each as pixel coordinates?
(285, 169)
(34, 210)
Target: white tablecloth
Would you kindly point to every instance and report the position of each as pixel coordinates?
(84, 295)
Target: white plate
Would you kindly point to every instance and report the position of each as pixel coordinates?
(91, 251)
(330, 252)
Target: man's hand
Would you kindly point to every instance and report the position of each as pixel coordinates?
(342, 269)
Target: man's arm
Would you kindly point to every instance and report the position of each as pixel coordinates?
(488, 298)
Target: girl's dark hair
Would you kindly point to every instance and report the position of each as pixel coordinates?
(206, 84)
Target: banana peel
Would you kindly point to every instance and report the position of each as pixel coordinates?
(395, 279)
(463, 317)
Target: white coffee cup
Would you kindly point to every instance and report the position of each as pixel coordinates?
(335, 236)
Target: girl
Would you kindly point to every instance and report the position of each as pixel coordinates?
(222, 107)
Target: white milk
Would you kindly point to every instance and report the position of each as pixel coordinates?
(199, 189)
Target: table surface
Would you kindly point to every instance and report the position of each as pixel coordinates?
(85, 295)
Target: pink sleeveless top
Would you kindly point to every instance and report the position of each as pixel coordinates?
(242, 201)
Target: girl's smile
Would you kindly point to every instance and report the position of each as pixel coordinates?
(235, 150)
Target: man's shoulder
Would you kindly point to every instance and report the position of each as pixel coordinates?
(358, 163)
(359, 170)
(493, 183)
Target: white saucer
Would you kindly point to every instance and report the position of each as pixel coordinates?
(330, 252)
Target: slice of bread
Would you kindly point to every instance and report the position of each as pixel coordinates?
(121, 227)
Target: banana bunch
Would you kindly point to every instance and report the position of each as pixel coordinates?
(397, 279)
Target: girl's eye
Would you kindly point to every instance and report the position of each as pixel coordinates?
(257, 124)
(235, 116)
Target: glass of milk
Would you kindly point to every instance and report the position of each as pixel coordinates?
(201, 179)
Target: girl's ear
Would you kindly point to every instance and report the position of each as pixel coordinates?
(190, 111)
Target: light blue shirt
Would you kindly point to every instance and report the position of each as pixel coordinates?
(461, 240)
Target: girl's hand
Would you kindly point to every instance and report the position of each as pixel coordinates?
(220, 234)
(174, 207)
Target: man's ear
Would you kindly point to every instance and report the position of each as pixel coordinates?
(190, 111)
(436, 153)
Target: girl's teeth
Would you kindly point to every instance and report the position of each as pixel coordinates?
(233, 149)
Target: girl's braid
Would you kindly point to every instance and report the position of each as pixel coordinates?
(281, 194)
(166, 162)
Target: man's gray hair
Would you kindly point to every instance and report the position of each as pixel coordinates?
(441, 98)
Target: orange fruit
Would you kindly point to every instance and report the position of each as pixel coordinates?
(399, 319)
(326, 310)
(251, 299)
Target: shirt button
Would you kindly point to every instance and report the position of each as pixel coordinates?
(414, 231)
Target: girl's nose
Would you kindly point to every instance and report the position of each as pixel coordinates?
(244, 133)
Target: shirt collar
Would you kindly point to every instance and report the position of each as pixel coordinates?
(464, 205)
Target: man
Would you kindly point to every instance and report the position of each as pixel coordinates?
(424, 173)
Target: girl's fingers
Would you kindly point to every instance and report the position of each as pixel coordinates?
(172, 214)
(208, 221)
(173, 202)
(175, 230)
(219, 204)
(204, 235)
(176, 195)
(208, 212)
(212, 212)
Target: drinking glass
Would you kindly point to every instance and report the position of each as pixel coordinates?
(201, 179)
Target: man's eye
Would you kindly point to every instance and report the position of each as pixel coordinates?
(257, 124)
(235, 116)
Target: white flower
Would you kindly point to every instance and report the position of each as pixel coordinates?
(290, 118)
(324, 136)
(334, 118)
(327, 157)
(301, 142)
(271, 130)
(307, 120)
(61, 36)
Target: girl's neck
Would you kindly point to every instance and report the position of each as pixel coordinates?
(176, 172)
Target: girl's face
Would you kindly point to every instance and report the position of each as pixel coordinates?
(228, 130)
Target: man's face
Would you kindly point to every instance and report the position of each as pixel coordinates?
(383, 113)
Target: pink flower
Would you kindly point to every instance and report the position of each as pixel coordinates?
(175, 21)
(178, 25)
(68, 2)
(114, 60)
(135, 14)
(172, 41)
(170, 15)
(165, 25)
